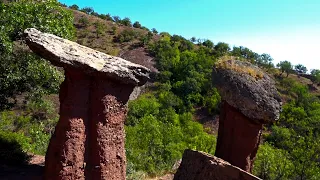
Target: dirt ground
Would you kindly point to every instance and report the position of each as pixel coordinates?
(32, 171)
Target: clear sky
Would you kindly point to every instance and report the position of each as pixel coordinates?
(285, 29)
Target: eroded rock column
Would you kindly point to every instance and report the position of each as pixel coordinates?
(238, 138)
(250, 100)
(107, 158)
(88, 142)
(65, 155)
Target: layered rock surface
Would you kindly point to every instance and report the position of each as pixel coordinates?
(249, 89)
(201, 166)
(64, 53)
(88, 142)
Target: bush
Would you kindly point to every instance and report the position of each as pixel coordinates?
(126, 36)
(84, 21)
(272, 163)
(13, 147)
(157, 136)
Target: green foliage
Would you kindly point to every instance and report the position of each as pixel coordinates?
(301, 69)
(154, 30)
(13, 147)
(244, 53)
(87, 10)
(114, 30)
(264, 61)
(144, 40)
(74, 7)
(221, 49)
(100, 28)
(25, 72)
(316, 76)
(297, 131)
(26, 14)
(21, 71)
(136, 24)
(116, 19)
(272, 163)
(156, 135)
(126, 21)
(40, 139)
(126, 36)
(84, 21)
(285, 66)
(207, 43)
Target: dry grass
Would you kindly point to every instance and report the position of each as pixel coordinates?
(224, 63)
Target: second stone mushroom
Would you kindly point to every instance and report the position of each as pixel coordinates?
(250, 99)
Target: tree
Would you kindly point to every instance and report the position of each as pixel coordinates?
(99, 28)
(74, 6)
(154, 30)
(315, 76)
(84, 21)
(207, 43)
(136, 24)
(245, 53)
(193, 39)
(126, 21)
(116, 19)
(87, 10)
(20, 70)
(285, 66)
(265, 61)
(300, 69)
(108, 17)
(221, 49)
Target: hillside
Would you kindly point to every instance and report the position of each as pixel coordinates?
(179, 110)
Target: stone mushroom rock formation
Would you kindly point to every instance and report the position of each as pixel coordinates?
(88, 142)
(200, 166)
(250, 99)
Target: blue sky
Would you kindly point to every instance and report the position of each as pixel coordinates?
(285, 29)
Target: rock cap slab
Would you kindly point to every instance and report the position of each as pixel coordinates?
(67, 54)
(249, 89)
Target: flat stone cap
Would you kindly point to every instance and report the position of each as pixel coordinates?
(67, 54)
(248, 89)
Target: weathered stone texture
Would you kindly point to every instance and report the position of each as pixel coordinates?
(250, 99)
(201, 166)
(88, 142)
(249, 89)
(64, 53)
(238, 138)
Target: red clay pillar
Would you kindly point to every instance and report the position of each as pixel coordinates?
(238, 138)
(107, 158)
(65, 155)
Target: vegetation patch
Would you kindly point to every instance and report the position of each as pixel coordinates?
(231, 65)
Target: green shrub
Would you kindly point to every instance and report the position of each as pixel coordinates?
(157, 136)
(272, 163)
(126, 36)
(40, 138)
(13, 147)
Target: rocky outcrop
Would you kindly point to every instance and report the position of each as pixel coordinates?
(199, 166)
(88, 142)
(250, 99)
